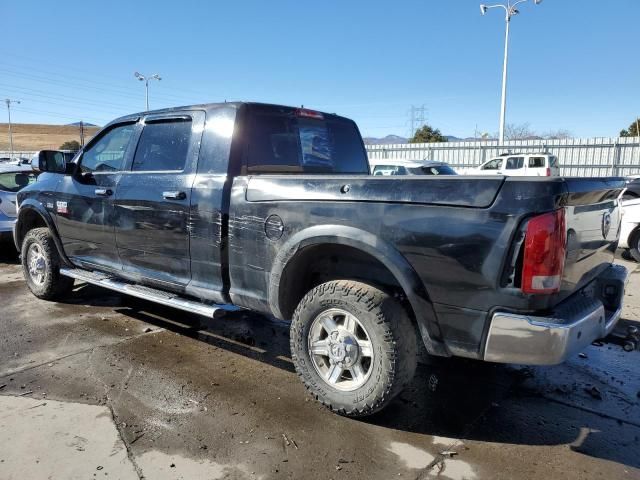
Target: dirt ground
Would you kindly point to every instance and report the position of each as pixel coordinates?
(106, 386)
(29, 137)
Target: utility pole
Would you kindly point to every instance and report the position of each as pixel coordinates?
(81, 133)
(417, 118)
(145, 79)
(510, 10)
(8, 101)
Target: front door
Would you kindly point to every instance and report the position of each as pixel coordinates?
(152, 202)
(84, 201)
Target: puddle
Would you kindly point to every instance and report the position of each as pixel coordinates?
(412, 457)
(158, 465)
(419, 459)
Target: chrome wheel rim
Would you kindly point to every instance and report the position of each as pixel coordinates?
(340, 349)
(36, 263)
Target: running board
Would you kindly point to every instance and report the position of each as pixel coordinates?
(139, 291)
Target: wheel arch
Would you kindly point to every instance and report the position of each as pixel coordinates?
(33, 215)
(289, 278)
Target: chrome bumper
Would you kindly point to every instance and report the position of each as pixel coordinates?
(549, 340)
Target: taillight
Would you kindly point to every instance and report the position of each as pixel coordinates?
(544, 253)
(548, 172)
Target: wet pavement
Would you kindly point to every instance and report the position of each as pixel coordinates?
(190, 397)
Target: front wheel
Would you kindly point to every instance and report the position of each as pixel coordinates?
(353, 346)
(41, 265)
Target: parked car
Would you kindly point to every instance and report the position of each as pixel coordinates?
(12, 178)
(388, 167)
(273, 209)
(630, 231)
(520, 164)
(633, 188)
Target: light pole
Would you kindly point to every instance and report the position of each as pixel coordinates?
(145, 79)
(510, 10)
(8, 101)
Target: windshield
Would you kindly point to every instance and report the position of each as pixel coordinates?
(433, 170)
(15, 181)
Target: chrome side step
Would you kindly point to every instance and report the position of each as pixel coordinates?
(139, 291)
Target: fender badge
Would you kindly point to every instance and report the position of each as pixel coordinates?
(61, 207)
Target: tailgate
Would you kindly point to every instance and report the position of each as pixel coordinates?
(593, 217)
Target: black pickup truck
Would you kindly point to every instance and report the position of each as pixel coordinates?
(272, 208)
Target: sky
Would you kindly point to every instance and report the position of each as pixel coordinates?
(573, 64)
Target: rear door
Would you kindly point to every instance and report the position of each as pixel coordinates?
(537, 166)
(84, 201)
(153, 199)
(514, 166)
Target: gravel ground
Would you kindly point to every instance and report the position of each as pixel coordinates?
(106, 386)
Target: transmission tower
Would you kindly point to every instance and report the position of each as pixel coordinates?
(418, 115)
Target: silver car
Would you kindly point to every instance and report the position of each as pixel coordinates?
(13, 178)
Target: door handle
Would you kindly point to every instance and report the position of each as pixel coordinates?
(174, 195)
(103, 192)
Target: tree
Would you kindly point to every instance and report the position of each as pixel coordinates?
(519, 131)
(427, 134)
(72, 145)
(632, 131)
(559, 134)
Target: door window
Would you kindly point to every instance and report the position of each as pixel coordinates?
(515, 163)
(107, 154)
(536, 162)
(163, 146)
(494, 164)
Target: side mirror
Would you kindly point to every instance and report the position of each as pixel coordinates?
(52, 161)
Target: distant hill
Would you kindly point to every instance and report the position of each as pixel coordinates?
(86, 124)
(389, 139)
(30, 136)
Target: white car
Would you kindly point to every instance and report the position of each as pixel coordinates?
(520, 164)
(630, 230)
(389, 166)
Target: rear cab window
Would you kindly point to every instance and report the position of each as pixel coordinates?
(286, 140)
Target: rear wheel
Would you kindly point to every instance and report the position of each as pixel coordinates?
(634, 245)
(353, 346)
(41, 265)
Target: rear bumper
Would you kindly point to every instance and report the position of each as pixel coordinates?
(588, 315)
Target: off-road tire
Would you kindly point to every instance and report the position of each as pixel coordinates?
(54, 285)
(634, 244)
(391, 333)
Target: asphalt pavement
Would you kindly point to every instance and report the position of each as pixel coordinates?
(107, 386)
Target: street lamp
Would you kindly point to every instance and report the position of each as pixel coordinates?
(510, 10)
(145, 79)
(8, 101)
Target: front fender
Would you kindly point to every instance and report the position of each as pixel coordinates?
(384, 252)
(28, 207)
